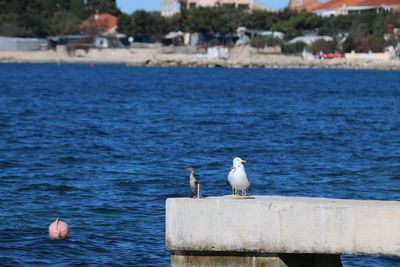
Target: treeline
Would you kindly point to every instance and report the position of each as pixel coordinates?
(41, 18)
(204, 19)
(363, 32)
(226, 19)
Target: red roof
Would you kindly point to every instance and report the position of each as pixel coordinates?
(334, 4)
(379, 3)
(312, 5)
(304, 4)
(103, 22)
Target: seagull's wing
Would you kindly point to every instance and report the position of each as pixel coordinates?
(228, 179)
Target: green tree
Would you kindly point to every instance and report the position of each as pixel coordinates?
(227, 19)
(34, 19)
(287, 13)
(212, 20)
(200, 19)
(104, 6)
(6, 6)
(141, 22)
(31, 17)
(260, 20)
(64, 22)
(178, 22)
(78, 8)
(149, 23)
(349, 45)
(159, 26)
(301, 21)
(125, 24)
(9, 25)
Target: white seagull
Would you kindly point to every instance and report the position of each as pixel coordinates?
(237, 177)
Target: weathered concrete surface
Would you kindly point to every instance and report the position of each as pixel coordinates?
(232, 259)
(209, 259)
(267, 224)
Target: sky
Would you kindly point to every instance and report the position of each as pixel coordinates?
(128, 6)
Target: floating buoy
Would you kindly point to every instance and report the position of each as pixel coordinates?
(91, 65)
(58, 229)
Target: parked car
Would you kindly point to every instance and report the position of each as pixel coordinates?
(331, 56)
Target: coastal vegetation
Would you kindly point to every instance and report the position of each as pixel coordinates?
(362, 32)
(41, 18)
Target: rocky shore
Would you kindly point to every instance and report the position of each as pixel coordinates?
(237, 57)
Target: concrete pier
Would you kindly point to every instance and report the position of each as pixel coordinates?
(278, 231)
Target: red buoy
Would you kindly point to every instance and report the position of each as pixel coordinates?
(58, 229)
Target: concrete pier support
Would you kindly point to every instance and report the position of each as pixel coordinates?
(243, 259)
(278, 231)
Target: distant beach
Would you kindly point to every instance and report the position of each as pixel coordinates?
(236, 57)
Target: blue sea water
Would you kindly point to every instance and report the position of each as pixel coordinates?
(104, 147)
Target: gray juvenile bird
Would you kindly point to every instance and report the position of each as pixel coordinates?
(194, 183)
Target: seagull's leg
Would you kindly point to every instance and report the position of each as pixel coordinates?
(234, 192)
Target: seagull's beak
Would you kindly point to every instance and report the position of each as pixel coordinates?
(243, 161)
(233, 168)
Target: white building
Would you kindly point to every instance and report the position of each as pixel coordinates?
(349, 7)
(171, 7)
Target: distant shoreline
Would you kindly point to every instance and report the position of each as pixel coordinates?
(243, 57)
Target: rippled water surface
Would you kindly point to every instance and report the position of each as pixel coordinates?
(103, 147)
